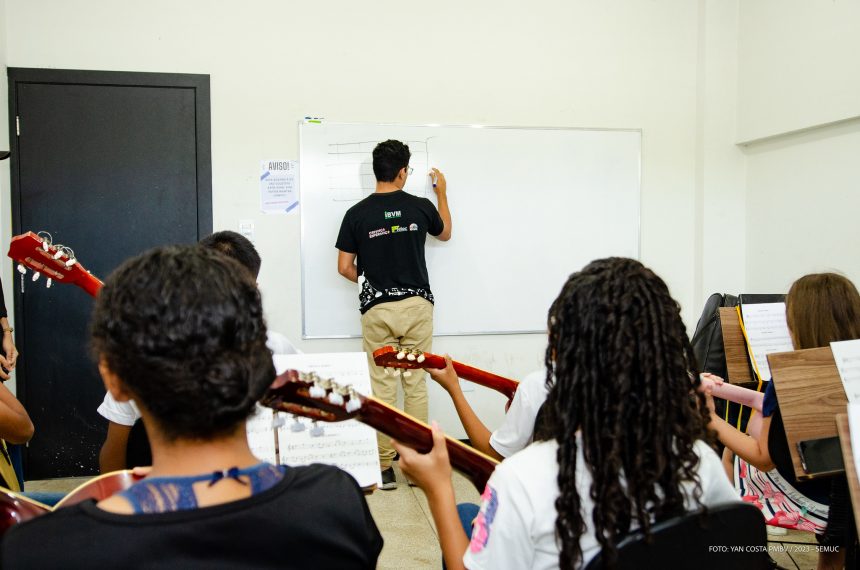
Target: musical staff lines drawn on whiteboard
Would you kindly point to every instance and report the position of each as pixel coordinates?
(349, 169)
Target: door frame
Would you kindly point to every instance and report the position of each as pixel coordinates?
(198, 83)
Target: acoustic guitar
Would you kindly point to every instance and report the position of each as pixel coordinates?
(308, 395)
(397, 357)
(57, 263)
(16, 508)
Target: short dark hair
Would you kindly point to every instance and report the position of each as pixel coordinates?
(237, 246)
(183, 329)
(388, 158)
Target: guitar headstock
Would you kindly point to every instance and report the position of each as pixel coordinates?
(406, 358)
(309, 395)
(38, 253)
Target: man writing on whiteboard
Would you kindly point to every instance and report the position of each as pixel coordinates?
(381, 247)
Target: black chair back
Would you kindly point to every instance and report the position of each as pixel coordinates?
(725, 536)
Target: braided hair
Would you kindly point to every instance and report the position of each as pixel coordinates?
(621, 372)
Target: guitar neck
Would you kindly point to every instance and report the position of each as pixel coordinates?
(498, 383)
(92, 286)
(495, 382)
(418, 435)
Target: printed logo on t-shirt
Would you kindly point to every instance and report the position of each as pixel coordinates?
(413, 227)
(392, 215)
(482, 523)
(398, 229)
(376, 233)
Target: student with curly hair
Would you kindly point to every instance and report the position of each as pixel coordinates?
(627, 440)
(181, 331)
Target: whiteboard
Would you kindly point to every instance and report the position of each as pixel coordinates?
(529, 206)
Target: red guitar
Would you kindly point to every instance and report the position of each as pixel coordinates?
(15, 508)
(54, 262)
(317, 398)
(393, 357)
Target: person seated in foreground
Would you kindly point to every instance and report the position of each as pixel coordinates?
(628, 441)
(181, 331)
(126, 444)
(516, 432)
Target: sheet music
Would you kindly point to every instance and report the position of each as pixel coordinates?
(350, 445)
(767, 332)
(847, 356)
(854, 427)
(261, 434)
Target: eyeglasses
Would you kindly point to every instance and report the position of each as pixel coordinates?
(408, 170)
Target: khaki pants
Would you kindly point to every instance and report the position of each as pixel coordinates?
(407, 323)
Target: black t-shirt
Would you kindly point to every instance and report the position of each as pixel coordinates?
(387, 232)
(316, 517)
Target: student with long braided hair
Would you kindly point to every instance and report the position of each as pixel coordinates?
(627, 439)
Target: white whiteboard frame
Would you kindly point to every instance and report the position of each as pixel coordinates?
(437, 125)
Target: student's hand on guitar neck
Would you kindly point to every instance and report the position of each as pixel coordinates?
(446, 377)
(430, 471)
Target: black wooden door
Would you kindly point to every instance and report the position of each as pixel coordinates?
(110, 164)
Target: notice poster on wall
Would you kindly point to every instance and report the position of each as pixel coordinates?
(279, 186)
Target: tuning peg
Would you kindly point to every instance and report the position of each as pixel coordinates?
(317, 430)
(421, 358)
(317, 391)
(277, 421)
(36, 275)
(386, 371)
(410, 357)
(59, 254)
(401, 355)
(407, 373)
(21, 269)
(71, 262)
(45, 245)
(354, 403)
(48, 283)
(297, 426)
(335, 399)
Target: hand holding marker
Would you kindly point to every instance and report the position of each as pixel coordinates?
(438, 180)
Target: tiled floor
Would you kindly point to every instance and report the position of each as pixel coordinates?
(403, 517)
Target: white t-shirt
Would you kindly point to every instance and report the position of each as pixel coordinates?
(126, 413)
(515, 529)
(517, 431)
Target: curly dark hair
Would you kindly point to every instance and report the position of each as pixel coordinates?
(183, 329)
(388, 158)
(621, 372)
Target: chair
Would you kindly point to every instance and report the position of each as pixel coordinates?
(726, 536)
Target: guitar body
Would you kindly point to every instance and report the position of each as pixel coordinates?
(310, 396)
(15, 508)
(393, 357)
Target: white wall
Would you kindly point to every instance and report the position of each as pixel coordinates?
(798, 65)
(618, 63)
(803, 206)
(798, 69)
(721, 197)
